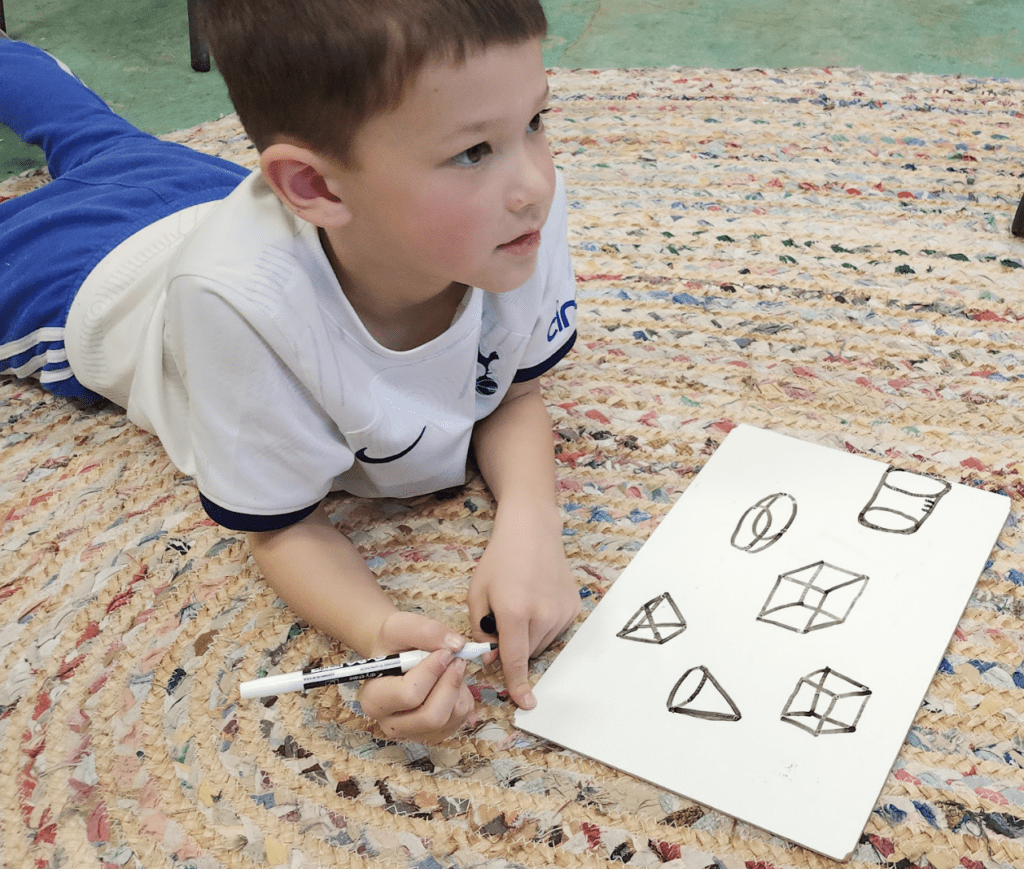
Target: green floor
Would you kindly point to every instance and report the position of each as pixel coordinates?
(136, 54)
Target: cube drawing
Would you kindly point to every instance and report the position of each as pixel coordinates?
(826, 702)
(809, 598)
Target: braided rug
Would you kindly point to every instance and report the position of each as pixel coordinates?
(821, 252)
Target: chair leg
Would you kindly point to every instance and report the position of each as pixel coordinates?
(197, 45)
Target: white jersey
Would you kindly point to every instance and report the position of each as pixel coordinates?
(223, 330)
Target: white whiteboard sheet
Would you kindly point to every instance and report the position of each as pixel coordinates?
(606, 696)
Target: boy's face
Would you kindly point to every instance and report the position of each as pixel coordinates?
(452, 186)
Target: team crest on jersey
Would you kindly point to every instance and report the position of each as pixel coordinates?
(485, 384)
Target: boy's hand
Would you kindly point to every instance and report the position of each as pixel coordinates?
(524, 579)
(430, 702)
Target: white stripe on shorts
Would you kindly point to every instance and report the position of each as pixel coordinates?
(48, 357)
(27, 342)
(55, 374)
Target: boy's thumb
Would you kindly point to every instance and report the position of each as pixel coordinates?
(412, 631)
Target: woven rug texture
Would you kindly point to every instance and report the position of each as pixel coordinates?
(822, 252)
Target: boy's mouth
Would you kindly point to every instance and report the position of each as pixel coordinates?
(524, 244)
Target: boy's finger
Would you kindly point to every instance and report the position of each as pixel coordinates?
(411, 631)
(548, 639)
(440, 715)
(441, 708)
(394, 694)
(514, 649)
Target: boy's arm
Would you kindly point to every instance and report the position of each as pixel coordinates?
(523, 577)
(322, 577)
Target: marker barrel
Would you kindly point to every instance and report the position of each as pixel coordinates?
(371, 668)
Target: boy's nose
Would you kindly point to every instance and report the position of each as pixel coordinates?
(533, 182)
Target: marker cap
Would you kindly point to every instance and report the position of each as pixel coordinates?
(277, 684)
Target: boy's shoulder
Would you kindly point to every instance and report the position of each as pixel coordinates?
(256, 256)
(246, 227)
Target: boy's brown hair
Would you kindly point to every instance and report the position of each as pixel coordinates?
(316, 70)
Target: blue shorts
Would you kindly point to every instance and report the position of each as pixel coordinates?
(109, 181)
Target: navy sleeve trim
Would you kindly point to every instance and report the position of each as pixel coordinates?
(249, 522)
(524, 374)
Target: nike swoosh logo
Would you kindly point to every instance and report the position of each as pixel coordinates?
(369, 460)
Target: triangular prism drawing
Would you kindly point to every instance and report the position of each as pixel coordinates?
(699, 695)
(657, 621)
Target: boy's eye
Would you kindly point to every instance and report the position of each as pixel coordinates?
(472, 156)
(537, 121)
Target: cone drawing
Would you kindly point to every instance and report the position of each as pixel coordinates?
(699, 695)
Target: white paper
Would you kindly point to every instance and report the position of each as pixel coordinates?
(899, 595)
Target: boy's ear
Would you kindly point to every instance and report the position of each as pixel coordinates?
(302, 180)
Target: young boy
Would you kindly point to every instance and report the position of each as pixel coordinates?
(383, 292)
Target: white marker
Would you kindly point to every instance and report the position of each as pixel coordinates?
(354, 671)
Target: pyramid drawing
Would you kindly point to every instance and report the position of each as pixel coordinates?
(699, 695)
(657, 621)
